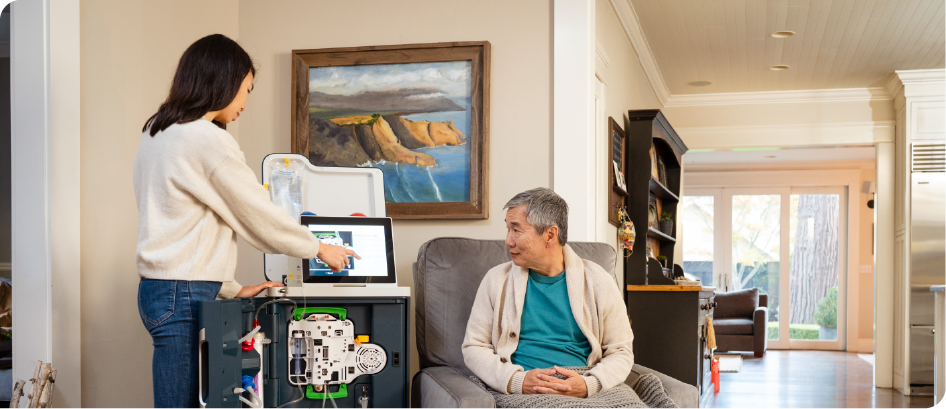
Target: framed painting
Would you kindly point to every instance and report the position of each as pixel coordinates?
(418, 112)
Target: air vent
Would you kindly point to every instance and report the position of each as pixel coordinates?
(929, 157)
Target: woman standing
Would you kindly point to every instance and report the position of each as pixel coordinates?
(195, 194)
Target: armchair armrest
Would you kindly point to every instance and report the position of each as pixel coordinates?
(683, 394)
(760, 330)
(445, 387)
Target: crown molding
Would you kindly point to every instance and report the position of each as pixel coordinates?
(931, 76)
(814, 134)
(632, 28)
(690, 168)
(781, 97)
(599, 50)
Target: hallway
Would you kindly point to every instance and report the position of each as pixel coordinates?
(808, 379)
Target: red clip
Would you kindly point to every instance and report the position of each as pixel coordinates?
(248, 344)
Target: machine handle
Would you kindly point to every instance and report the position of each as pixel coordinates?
(202, 339)
(312, 394)
(299, 312)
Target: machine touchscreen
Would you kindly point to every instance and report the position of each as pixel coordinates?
(369, 237)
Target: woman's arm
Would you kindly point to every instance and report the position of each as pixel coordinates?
(236, 197)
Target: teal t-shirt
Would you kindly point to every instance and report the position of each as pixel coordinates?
(548, 333)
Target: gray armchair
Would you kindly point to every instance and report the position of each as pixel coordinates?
(447, 275)
(740, 319)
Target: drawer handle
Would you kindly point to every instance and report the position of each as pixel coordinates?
(713, 304)
(707, 356)
(704, 307)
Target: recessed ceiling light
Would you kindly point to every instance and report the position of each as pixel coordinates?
(699, 83)
(782, 34)
(779, 67)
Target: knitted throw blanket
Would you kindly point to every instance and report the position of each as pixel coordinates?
(647, 392)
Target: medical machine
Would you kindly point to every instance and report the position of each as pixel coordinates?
(327, 338)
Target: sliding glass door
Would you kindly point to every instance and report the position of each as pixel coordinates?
(786, 242)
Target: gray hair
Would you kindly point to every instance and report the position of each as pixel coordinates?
(544, 209)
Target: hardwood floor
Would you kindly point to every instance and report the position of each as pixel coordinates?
(808, 379)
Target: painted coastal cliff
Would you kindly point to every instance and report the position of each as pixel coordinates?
(361, 139)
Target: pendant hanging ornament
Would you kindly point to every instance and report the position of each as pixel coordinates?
(626, 233)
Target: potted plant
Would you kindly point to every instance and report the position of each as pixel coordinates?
(826, 315)
(666, 223)
(662, 260)
(663, 264)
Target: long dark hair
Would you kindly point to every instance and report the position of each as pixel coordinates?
(208, 78)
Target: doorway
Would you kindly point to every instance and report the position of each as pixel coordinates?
(787, 241)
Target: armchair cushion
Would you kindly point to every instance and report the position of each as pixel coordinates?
(733, 326)
(683, 394)
(736, 304)
(445, 387)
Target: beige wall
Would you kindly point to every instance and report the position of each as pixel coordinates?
(129, 50)
(626, 87)
(520, 37)
(865, 327)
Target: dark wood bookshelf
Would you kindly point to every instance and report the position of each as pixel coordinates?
(646, 130)
(661, 191)
(670, 334)
(659, 235)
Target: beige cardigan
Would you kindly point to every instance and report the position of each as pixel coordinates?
(595, 302)
(195, 194)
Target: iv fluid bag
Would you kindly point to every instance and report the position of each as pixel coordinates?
(285, 187)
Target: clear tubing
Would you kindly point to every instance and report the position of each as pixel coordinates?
(297, 400)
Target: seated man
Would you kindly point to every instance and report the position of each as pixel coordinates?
(547, 309)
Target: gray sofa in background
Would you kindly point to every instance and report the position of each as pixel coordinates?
(740, 321)
(447, 275)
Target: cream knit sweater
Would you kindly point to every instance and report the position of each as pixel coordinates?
(595, 301)
(195, 194)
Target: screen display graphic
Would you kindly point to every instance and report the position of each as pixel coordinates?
(367, 241)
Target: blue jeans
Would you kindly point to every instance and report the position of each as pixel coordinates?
(168, 308)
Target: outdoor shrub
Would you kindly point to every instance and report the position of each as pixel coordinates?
(826, 315)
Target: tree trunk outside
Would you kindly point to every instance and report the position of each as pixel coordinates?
(814, 261)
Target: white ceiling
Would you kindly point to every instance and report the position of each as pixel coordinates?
(778, 156)
(838, 43)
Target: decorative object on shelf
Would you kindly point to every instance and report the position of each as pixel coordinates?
(666, 223)
(663, 261)
(650, 253)
(651, 214)
(653, 161)
(619, 182)
(661, 171)
(418, 112)
(617, 173)
(626, 233)
(681, 278)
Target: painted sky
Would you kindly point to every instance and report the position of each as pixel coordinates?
(447, 79)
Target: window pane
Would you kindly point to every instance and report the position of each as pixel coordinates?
(755, 249)
(813, 267)
(697, 222)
